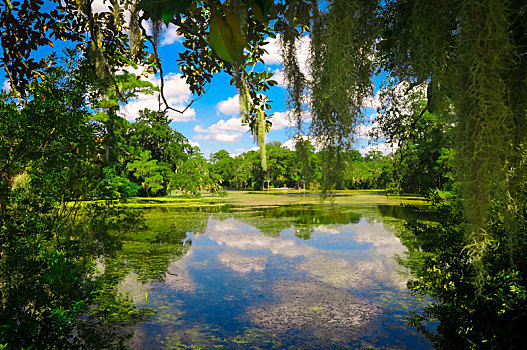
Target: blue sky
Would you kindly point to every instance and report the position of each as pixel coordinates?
(213, 122)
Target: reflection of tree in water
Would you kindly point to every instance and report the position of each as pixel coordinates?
(271, 221)
(304, 232)
(145, 257)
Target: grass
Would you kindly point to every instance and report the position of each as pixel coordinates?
(277, 197)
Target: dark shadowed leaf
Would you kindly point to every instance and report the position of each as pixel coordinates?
(225, 36)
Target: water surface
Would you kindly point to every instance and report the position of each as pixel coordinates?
(299, 277)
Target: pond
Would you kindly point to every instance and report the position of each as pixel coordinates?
(293, 276)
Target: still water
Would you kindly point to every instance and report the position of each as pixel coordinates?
(298, 277)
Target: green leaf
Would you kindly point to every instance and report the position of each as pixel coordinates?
(165, 9)
(258, 14)
(167, 17)
(260, 9)
(178, 6)
(225, 36)
(264, 5)
(145, 5)
(172, 7)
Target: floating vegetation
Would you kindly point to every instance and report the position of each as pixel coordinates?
(227, 276)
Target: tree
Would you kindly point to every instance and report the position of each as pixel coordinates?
(193, 175)
(308, 162)
(50, 161)
(423, 160)
(166, 148)
(148, 172)
(242, 174)
(222, 164)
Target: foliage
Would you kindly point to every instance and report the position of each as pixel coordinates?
(301, 168)
(222, 164)
(51, 160)
(148, 172)
(472, 54)
(114, 186)
(471, 315)
(308, 163)
(424, 156)
(152, 154)
(193, 175)
(369, 172)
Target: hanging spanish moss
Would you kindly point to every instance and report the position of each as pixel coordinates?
(95, 52)
(247, 108)
(342, 64)
(471, 53)
(258, 127)
(261, 128)
(245, 98)
(484, 113)
(135, 36)
(157, 31)
(296, 82)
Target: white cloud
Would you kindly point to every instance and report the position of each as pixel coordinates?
(372, 101)
(194, 143)
(230, 106)
(227, 137)
(290, 144)
(385, 148)
(363, 131)
(99, 6)
(281, 120)
(223, 131)
(171, 35)
(279, 77)
(273, 55)
(233, 124)
(239, 151)
(6, 86)
(177, 95)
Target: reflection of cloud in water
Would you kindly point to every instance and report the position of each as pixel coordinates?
(378, 266)
(377, 235)
(236, 235)
(241, 263)
(177, 275)
(132, 288)
(385, 245)
(338, 272)
(328, 229)
(334, 271)
(328, 312)
(357, 274)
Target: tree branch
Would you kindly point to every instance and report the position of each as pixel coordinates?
(161, 75)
